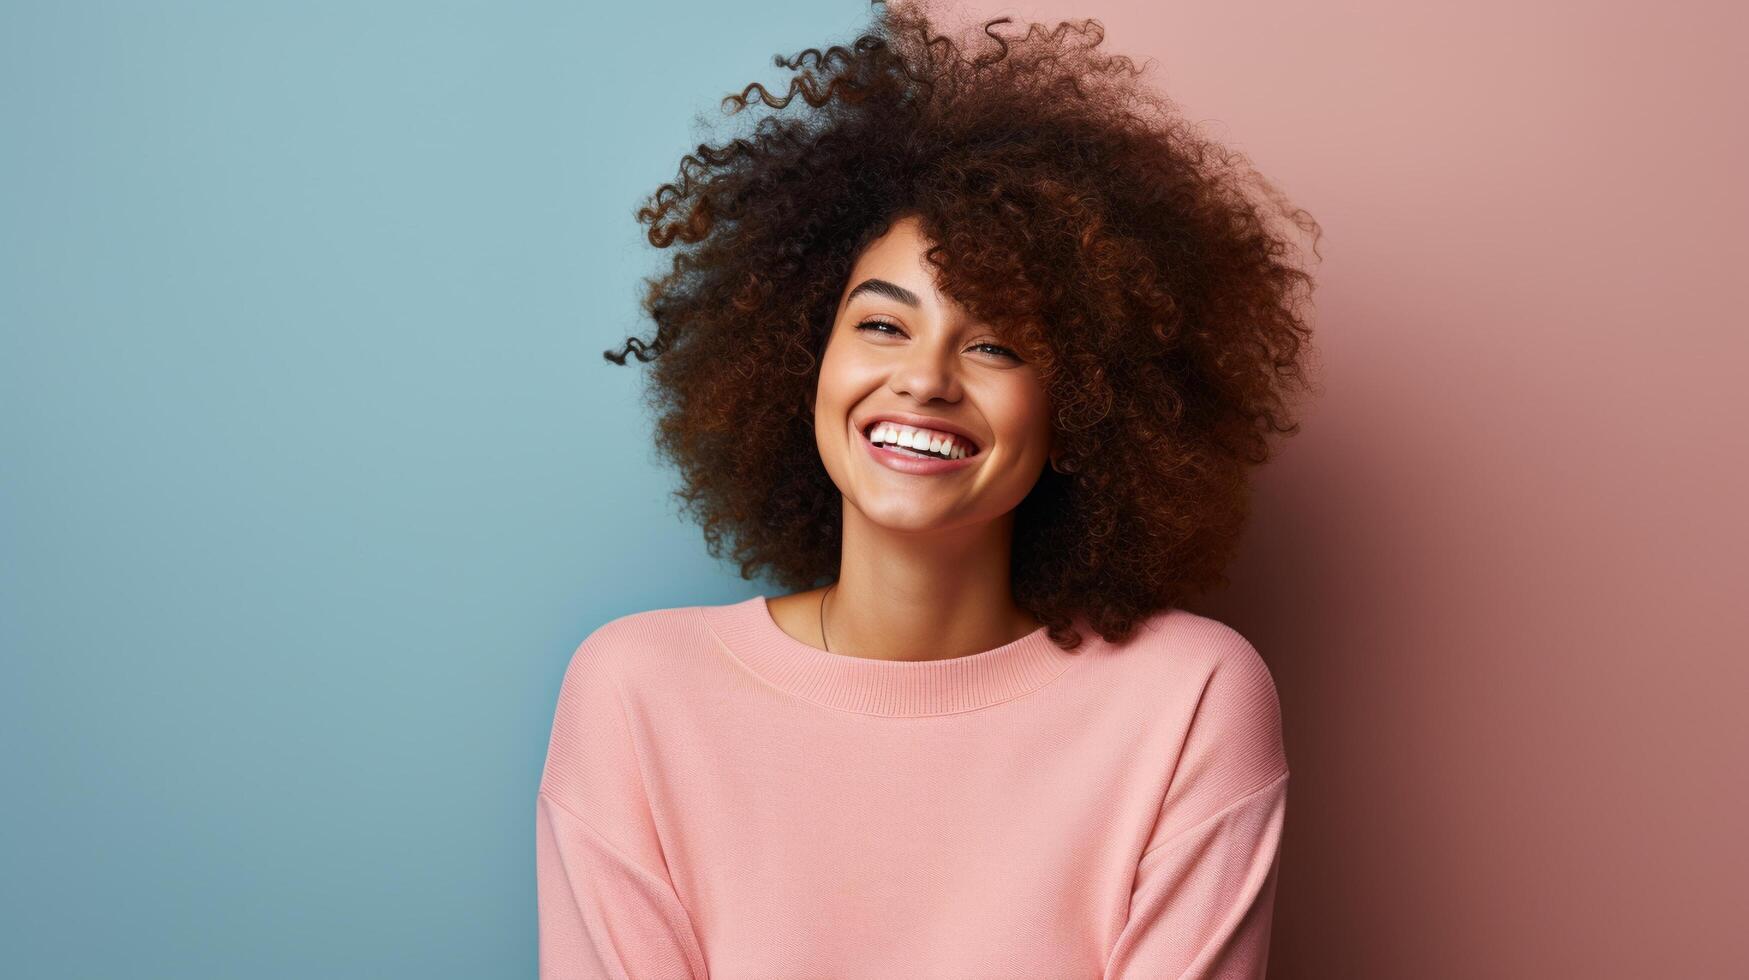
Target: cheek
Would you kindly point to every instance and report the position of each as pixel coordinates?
(842, 383)
(830, 396)
(832, 370)
(835, 395)
(1025, 422)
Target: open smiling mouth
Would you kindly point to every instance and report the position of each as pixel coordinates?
(890, 444)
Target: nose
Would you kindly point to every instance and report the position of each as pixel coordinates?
(927, 372)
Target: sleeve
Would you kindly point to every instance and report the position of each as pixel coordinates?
(1204, 892)
(607, 906)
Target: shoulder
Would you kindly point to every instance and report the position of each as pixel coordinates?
(631, 632)
(627, 642)
(1237, 672)
(608, 670)
(1206, 654)
(1227, 716)
(592, 768)
(1235, 718)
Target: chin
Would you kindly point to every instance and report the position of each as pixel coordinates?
(903, 515)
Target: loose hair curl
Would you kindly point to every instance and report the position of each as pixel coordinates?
(1072, 210)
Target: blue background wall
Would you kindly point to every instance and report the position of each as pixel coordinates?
(313, 474)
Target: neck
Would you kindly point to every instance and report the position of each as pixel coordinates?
(926, 595)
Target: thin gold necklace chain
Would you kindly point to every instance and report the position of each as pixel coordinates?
(823, 596)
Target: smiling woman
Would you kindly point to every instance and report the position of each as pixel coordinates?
(973, 350)
(903, 351)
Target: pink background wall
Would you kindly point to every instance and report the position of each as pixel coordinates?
(1497, 575)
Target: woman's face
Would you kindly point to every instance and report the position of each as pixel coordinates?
(900, 348)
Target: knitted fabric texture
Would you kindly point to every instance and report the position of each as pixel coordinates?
(721, 800)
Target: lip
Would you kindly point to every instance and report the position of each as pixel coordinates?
(921, 422)
(913, 465)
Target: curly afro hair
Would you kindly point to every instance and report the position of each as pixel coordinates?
(1070, 209)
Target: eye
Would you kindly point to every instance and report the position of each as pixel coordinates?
(882, 326)
(1002, 351)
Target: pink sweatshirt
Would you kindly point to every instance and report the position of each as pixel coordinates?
(723, 800)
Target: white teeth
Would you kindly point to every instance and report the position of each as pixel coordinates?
(940, 444)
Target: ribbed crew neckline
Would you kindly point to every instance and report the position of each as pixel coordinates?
(894, 688)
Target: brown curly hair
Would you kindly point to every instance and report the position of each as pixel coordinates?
(1071, 210)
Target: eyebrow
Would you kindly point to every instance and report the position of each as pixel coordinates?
(881, 287)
